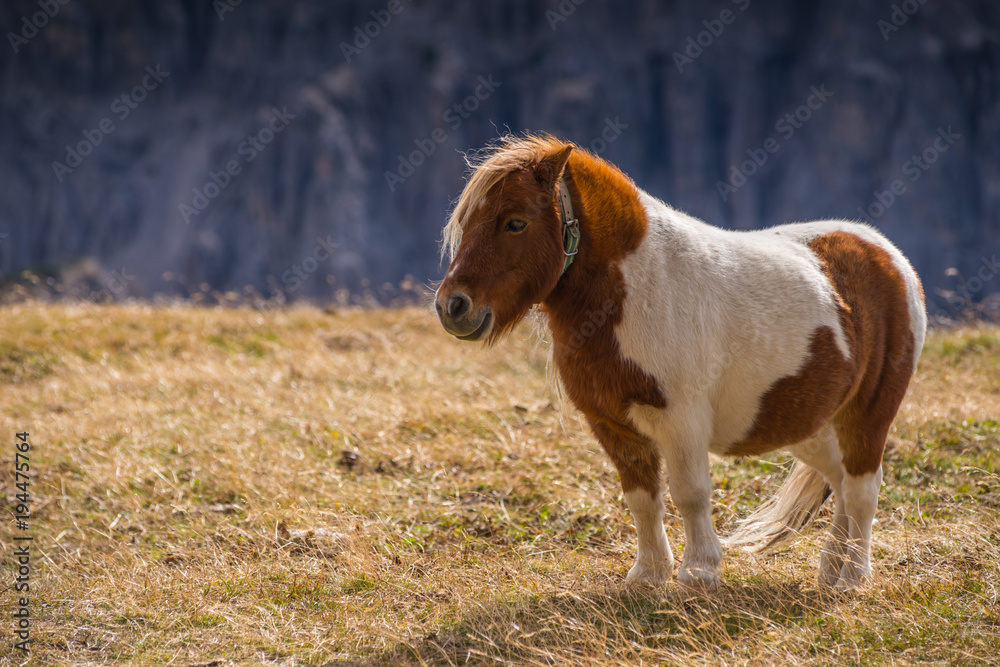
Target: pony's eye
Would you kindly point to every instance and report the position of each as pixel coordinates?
(515, 226)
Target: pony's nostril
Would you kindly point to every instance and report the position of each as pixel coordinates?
(458, 306)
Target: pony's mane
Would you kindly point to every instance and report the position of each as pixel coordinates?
(488, 167)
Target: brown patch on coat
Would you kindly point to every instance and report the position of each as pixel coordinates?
(885, 350)
(861, 394)
(583, 310)
(795, 407)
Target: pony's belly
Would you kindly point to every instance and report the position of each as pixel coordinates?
(737, 408)
(731, 425)
(769, 395)
(794, 406)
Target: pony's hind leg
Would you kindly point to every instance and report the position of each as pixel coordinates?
(831, 559)
(860, 501)
(845, 559)
(862, 442)
(822, 453)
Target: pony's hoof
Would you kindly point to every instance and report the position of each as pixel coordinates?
(852, 577)
(649, 574)
(829, 570)
(828, 577)
(701, 578)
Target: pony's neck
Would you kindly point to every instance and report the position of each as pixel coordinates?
(612, 224)
(607, 203)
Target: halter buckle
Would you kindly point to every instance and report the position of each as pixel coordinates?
(571, 233)
(571, 225)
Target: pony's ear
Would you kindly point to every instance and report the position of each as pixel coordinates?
(550, 168)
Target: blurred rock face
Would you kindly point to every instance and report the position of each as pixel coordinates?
(313, 146)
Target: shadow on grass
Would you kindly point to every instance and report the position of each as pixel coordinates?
(613, 624)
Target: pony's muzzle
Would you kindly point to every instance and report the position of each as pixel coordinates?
(460, 319)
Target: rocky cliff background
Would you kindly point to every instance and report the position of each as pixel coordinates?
(681, 95)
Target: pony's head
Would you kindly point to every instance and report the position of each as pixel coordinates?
(504, 238)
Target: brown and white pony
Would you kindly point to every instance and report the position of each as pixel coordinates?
(676, 339)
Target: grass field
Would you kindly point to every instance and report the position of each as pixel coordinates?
(217, 486)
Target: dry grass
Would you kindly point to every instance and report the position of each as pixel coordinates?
(225, 486)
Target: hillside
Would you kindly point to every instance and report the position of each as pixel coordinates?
(787, 111)
(229, 486)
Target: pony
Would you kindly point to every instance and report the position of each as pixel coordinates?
(676, 339)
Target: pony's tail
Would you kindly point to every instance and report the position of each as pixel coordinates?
(783, 517)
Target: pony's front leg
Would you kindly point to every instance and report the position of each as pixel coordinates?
(691, 491)
(654, 561)
(685, 447)
(638, 464)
